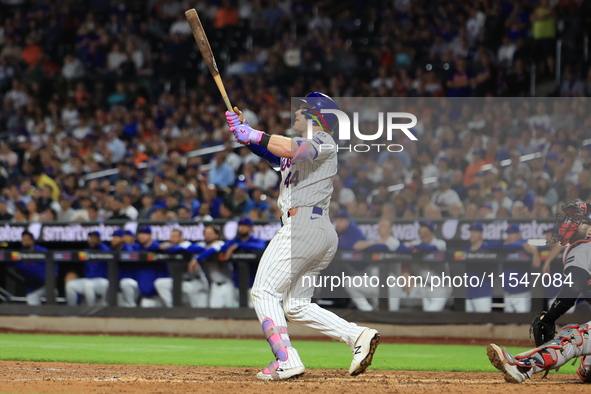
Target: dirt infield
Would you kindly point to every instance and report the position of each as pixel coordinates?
(37, 377)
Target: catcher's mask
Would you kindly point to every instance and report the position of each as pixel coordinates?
(575, 212)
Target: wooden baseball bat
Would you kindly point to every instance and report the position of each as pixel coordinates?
(205, 49)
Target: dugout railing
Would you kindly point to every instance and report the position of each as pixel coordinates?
(456, 262)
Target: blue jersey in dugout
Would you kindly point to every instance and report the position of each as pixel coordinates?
(475, 269)
(96, 269)
(34, 271)
(517, 269)
(126, 270)
(252, 244)
(146, 273)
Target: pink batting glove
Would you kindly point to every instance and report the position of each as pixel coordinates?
(233, 120)
(246, 134)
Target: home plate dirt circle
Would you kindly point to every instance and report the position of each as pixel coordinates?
(38, 377)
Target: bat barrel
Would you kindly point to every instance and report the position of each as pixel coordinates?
(202, 41)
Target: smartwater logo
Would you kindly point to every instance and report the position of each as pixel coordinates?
(389, 118)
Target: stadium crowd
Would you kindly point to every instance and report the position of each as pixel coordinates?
(90, 86)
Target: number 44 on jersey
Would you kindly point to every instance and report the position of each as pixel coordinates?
(292, 178)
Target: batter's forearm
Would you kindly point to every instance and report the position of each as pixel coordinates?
(282, 146)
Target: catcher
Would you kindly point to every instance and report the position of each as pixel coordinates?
(573, 340)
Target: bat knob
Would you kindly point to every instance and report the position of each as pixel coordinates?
(239, 113)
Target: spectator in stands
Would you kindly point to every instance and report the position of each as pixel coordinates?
(475, 167)
(425, 160)
(544, 189)
(500, 200)
(474, 196)
(4, 214)
(456, 210)
(572, 85)
(486, 211)
(458, 83)
(73, 68)
(505, 53)
(516, 169)
(21, 214)
(180, 26)
(432, 211)
(221, 174)
(265, 178)
(95, 282)
(444, 196)
(410, 212)
(226, 15)
(521, 193)
(127, 209)
(543, 21)
(33, 272)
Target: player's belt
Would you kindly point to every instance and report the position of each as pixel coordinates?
(293, 211)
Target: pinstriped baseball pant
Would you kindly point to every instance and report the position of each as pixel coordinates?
(295, 256)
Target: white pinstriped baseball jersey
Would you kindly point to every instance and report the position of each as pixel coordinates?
(309, 183)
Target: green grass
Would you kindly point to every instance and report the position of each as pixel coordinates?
(235, 353)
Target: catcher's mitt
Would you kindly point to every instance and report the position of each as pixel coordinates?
(542, 331)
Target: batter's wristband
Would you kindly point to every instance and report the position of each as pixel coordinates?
(264, 142)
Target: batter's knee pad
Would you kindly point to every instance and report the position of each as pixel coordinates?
(275, 337)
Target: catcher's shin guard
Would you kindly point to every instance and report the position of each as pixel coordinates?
(572, 341)
(277, 337)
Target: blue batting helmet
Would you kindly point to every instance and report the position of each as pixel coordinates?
(314, 103)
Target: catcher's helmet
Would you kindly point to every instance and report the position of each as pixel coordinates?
(575, 212)
(314, 103)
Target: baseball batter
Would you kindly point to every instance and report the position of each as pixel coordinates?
(573, 341)
(306, 242)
